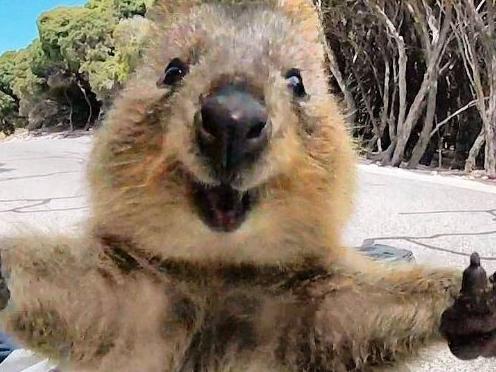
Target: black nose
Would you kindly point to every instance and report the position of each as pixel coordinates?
(233, 130)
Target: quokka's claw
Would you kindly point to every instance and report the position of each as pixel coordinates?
(474, 278)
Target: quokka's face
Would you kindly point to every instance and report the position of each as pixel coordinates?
(239, 87)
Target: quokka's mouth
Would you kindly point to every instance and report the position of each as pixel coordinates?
(222, 208)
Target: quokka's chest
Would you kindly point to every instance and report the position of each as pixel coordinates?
(213, 329)
(218, 318)
(234, 329)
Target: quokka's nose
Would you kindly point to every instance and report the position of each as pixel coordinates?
(234, 129)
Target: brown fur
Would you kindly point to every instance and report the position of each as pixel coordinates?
(149, 287)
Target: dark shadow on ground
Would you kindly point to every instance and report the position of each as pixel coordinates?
(415, 240)
(2, 169)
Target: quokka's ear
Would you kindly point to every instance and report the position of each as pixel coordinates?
(305, 12)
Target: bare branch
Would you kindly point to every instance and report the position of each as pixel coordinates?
(456, 113)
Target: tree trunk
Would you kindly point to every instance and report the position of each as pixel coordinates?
(88, 102)
(425, 135)
(366, 99)
(71, 124)
(401, 76)
(474, 151)
(385, 156)
(385, 97)
(372, 143)
(490, 154)
(336, 72)
(433, 58)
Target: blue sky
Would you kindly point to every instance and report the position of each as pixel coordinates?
(18, 20)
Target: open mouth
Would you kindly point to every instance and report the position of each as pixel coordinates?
(222, 208)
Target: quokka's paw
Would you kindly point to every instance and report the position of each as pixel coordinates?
(4, 289)
(4, 294)
(470, 324)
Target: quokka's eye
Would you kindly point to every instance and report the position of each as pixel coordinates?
(175, 71)
(295, 82)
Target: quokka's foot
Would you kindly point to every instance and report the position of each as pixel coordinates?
(470, 324)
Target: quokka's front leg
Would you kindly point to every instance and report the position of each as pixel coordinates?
(67, 302)
(374, 315)
(460, 308)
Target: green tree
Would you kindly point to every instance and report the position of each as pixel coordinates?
(26, 85)
(8, 112)
(19, 87)
(107, 76)
(7, 68)
(72, 36)
(129, 8)
(82, 58)
(122, 8)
